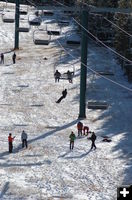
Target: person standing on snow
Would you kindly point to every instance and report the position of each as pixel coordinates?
(85, 130)
(79, 128)
(2, 58)
(93, 138)
(72, 138)
(24, 139)
(10, 141)
(14, 58)
(57, 76)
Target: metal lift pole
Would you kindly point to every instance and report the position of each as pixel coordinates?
(83, 75)
(17, 25)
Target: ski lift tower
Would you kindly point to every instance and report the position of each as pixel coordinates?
(17, 25)
(84, 42)
(83, 76)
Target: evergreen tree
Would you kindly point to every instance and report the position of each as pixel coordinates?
(122, 40)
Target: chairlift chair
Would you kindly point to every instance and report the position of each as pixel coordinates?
(97, 105)
(23, 10)
(48, 12)
(64, 75)
(34, 21)
(8, 17)
(24, 26)
(54, 30)
(40, 37)
(73, 40)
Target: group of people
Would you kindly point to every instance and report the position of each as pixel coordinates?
(13, 58)
(85, 129)
(57, 76)
(82, 130)
(25, 144)
(23, 139)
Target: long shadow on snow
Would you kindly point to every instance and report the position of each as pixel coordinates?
(79, 156)
(48, 162)
(47, 134)
(54, 131)
(4, 189)
(115, 124)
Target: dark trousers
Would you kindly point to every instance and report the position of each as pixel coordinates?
(24, 143)
(59, 100)
(2, 60)
(71, 144)
(14, 60)
(10, 147)
(93, 145)
(57, 79)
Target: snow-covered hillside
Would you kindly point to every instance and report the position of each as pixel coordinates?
(48, 170)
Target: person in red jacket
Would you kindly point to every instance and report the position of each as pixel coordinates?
(10, 141)
(79, 128)
(85, 130)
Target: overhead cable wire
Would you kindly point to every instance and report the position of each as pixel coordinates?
(117, 27)
(31, 3)
(121, 12)
(124, 58)
(112, 23)
(95, 72)
(114, 82)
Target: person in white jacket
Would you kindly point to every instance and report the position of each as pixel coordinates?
(24, 139)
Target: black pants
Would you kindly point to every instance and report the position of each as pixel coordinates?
(59, 100)
(57, 79)
(93, 145)
(71, 144)
(14, 60)
(2, 60)
(10, 147)
(24, 143)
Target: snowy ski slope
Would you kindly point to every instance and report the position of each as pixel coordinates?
(47, 170)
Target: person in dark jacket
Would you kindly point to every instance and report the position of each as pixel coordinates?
(10, 142)
(69, 76)
(14, 58)
(79, 128)
(72, 138)
(2, 58)
(57, 76)
(64, 93)
(93, 138)
(24, 139)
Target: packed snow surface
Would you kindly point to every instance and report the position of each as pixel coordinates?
(48, 170)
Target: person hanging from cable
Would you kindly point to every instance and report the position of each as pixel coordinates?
(64, 94)
(69, 76)
(10, 142)
(2, 58)
(57, 75)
